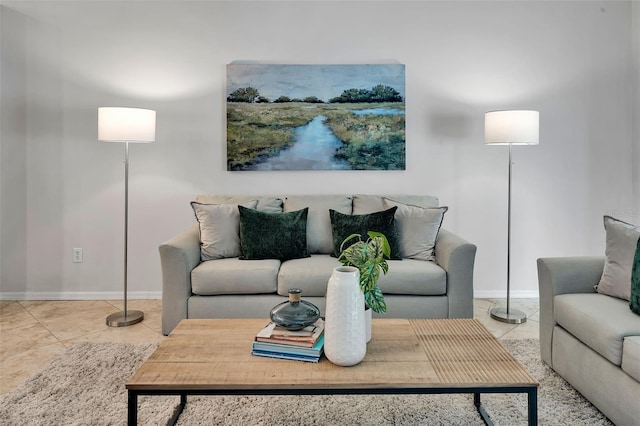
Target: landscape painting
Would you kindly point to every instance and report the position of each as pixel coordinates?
(315, 117)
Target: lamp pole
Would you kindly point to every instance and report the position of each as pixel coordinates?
(126, 317)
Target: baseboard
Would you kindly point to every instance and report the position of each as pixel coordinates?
(492, 294)
(81, 295)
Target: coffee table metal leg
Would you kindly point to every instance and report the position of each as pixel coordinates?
(178, 410)
(483, 413)
(132, 408)
(533, 406)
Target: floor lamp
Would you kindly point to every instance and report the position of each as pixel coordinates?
(510, 128)
(126, 125)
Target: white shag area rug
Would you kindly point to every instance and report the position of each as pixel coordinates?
(85, 386)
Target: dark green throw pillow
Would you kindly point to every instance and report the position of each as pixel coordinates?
(273, 235)
(343, 225)
(634, 301)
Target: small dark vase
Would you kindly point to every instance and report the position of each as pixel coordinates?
(295, 314)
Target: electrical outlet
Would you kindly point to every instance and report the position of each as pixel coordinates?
(77, 255)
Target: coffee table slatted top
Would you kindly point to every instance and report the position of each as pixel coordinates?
(215, 354)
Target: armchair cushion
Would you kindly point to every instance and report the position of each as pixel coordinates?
(631, 356)
(622, 239)
(599, 321)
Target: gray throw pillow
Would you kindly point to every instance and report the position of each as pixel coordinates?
(622, 239)
(219, 229)
(418, 229)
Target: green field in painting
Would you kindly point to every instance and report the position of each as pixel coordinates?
(370, 142)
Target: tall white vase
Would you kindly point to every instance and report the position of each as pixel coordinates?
(345, 341)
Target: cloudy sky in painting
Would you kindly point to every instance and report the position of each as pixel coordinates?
(323, 81)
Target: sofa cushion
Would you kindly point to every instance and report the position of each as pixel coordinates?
(273, 235)
(418, 229)
(622, 239)
(319, 239)
(344, 225)
(219, 229)
(311, 274)
(363, 204)
(599, 321)
(235, 276)
(266, 203)
(407, 277)
(631, 356)
(415, 277)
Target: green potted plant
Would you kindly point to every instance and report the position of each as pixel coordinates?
(369, 257)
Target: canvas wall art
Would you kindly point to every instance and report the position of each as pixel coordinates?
(315, 117)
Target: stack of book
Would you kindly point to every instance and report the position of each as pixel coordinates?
(274, 341)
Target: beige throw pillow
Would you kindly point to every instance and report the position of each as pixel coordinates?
(219, 229)
(622, 239)
(418, 229)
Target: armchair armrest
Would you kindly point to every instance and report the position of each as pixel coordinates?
(561, 275)
(457, 256)
(178, 257)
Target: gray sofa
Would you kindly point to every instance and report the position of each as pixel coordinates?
(232, 288)
(592, 340)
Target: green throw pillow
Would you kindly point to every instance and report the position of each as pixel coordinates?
(634, 301)
(273, 235)
(343, 225)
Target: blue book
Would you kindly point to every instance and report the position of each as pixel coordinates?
(295, 357)
(315, 351)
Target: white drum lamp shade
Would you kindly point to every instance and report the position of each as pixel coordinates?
(511, 127)
(116, 124)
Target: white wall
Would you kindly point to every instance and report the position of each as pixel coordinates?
(636, 107)
(570, 60)
(13, 143)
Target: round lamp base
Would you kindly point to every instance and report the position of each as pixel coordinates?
(119, 319)
(513, 317)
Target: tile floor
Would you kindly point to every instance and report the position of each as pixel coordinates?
(32, 333)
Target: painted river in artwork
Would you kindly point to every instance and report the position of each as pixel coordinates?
(314, 149)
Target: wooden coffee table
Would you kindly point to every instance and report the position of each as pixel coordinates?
(405, 356)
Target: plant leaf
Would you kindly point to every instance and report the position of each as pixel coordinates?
(349, 238)
(375, 300)
(386, 248)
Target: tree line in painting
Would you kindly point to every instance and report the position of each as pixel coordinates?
(377, 94)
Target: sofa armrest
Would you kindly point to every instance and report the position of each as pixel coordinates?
(457, 256)
(178, 257)
(561, 275)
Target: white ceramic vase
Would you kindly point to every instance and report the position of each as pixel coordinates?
(345, 341)
(367, 322)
